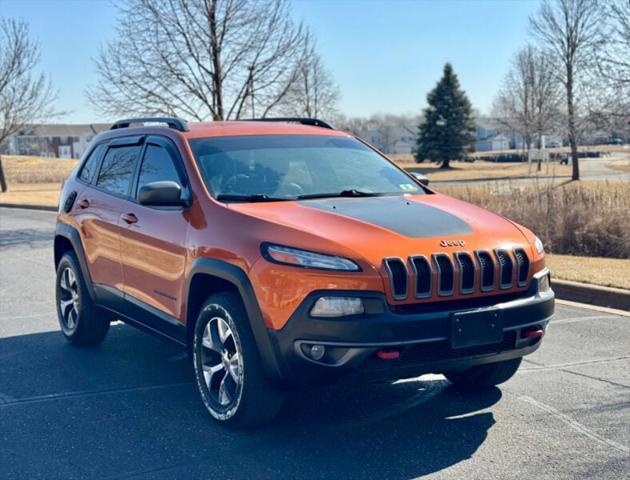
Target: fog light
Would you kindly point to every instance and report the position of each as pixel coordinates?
(337, 307)
(317, 352)
(543, 284)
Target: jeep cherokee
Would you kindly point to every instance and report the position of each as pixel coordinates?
(284, 253)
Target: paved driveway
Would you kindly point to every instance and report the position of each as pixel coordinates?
(129, 408)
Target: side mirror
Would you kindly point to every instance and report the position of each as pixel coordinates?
(162, 194)
(423, 179)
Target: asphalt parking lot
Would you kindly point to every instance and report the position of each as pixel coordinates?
(129, 408)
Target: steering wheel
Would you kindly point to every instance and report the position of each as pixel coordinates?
(232, 183)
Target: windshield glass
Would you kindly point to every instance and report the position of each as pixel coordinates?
(285, 167)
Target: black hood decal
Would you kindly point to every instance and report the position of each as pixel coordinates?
(395, 213)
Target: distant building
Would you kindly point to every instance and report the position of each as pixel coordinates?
(53, 140)
(391, 138)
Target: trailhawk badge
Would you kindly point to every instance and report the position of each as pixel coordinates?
(452, 243)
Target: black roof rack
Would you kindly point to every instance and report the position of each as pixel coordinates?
(172, 122)
(313, 122)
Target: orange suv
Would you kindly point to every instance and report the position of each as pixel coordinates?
(284, 253)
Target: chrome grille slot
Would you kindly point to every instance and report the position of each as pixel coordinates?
(506, 268)
(522, 266)
(486, 266)
(466, 272)
(423, 276)
(398, 277)
(446, 274)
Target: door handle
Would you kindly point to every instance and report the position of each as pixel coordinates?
(83, 203)
(129, 218)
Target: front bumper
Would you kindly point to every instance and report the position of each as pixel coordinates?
(421, 336)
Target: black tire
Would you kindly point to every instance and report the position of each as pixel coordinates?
(252, 400)
(483, 376)
(81, 322)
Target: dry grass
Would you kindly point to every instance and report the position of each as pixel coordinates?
(621, 164)
(608, 272)
(35, 169)
(479, 169)
(41, 194)
(575, 218)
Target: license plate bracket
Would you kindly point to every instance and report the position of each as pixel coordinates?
(478, 327)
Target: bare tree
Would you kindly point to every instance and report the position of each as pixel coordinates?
(529, 102)
(25, 96)
(569, 30)
(614, 56)
(610, 85)
(314, 94)
(201, 59)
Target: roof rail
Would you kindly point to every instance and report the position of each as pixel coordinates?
(172, 122)
(313, 122)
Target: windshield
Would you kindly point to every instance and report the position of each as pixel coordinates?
(288, 167)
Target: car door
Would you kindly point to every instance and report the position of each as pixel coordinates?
(98, 209)
(153, 242)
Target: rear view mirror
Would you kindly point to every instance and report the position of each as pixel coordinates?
(161, 194)
(422, 179)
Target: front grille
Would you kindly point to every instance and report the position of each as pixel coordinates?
(486, 267)
(522, 266)
(446, 274)
(460, 273)
(506, 268)
(466, 272)
(397, 271)
(423, 276)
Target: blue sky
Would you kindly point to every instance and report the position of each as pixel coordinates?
(385, 55)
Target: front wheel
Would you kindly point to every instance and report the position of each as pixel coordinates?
(82, 323)
(483, 376)
(228, 369)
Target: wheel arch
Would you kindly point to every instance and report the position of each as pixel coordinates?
(209, 276)
(67, 239)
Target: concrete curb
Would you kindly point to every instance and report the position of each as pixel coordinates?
(45, 208)
(592, 294)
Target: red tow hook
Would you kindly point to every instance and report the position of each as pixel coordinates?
(535, 332)
(388, 354)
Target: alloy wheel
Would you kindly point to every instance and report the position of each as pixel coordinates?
(221, 363)
(69, 299)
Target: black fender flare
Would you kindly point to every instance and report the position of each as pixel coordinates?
(236, 276)
(72, 235)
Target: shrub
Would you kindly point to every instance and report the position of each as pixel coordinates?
(590, 219)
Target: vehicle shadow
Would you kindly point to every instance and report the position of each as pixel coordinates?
(129, 408)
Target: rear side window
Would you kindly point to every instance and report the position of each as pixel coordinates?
(117, 169)
(157, 166)
(90, 165)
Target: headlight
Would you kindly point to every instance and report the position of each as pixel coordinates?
(306, 259)
(337, 307)
(540, 248)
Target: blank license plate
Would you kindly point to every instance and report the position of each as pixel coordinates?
(469, 329)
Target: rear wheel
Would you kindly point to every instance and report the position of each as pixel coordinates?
(483, 376)
(81, 322)
(228, 369)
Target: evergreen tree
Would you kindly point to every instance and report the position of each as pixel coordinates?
(447, 130)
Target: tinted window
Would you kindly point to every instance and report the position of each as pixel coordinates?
(288, 166)
(117, 169)
(90, 165)
(157, 166)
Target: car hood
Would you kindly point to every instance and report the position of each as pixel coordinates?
(377, 227)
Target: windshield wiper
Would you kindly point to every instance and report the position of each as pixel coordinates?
(343, 193)
(258, 197)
